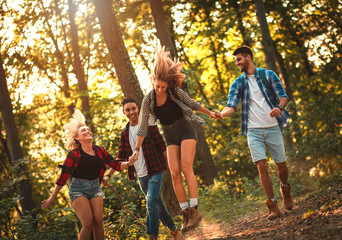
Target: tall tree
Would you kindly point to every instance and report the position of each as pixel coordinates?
(266, 36)
(293, 31)
(112, 35)
(162, 27)
(238, 10)
(6, 108)
(78, 66)
(128, 79)
(206, 168)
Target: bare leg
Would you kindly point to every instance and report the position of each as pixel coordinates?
(84, 213)
(265, 178)
(173, 157)
(283, 172)
(188, 148)
(97, 209)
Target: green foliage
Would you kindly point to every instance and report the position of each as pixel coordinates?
(118, 222)
(36, 49)
(59, 223)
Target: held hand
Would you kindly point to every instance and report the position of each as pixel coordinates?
(135, 154)
(212, 115)
(48, 202)
(275, 112)
(132, 159)
(218, 114)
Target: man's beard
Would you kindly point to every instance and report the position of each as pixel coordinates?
(245, 67)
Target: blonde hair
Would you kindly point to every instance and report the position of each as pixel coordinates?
(72, 127)
(166, 69)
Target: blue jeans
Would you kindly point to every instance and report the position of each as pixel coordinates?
(155, 207)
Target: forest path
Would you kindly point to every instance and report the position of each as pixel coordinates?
(317, 216)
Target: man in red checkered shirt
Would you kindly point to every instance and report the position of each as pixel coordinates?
(148, 168)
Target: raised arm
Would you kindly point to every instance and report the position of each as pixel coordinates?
(187, 100)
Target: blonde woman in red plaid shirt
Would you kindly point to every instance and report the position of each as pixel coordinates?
(85, 164)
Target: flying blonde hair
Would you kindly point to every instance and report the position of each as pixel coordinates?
(166, 69)
(71, 129)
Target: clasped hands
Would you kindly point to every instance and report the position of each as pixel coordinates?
(216, 115)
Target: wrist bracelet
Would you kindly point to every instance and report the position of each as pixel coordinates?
(128, 164)
(108, 175)
(136, 148)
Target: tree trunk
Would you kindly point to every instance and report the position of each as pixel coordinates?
(6, 108)
(293, 33)
(246, 39)
(112, 35)
(162, 27)
(266, 36)
(292, 108)
(78, 67)
(288, 137)
(219, 77)
(206, 168)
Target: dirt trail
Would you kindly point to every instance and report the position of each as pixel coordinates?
(318, 216)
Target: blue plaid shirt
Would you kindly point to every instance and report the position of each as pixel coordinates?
(234, 97)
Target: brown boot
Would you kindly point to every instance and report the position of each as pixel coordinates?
(285, 193)
(185, 214)
(273, 210)
(194, 217)
(177, 235)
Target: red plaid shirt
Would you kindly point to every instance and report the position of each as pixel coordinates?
(74, 157)
(154, 163)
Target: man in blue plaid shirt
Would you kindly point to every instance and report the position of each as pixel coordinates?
(262, 118)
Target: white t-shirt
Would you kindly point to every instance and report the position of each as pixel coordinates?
(259, 110)
(140, 164)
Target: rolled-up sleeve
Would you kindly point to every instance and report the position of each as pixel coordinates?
(277, 86)
(187, 100)
(234, 94)
(144, 116)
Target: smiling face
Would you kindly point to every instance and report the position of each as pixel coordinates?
(131, 111)
(160, 87)
(242, 62)
(84, 134)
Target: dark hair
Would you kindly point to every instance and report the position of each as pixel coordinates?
(128, 100)
(244, 51)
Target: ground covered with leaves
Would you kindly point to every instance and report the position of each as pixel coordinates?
(316, 216)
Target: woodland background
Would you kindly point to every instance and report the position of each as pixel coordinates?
(60, 54)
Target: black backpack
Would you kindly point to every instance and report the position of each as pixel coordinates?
(264, 80)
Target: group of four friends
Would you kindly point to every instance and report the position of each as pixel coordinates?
(143, 151)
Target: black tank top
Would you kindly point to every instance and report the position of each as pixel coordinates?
(89, 167)
(169, 112)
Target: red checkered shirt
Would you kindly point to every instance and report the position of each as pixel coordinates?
(154, 157)
(74, 157)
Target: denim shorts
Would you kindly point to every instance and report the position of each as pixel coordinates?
(178, 131)
(259, 138)
(82, 187)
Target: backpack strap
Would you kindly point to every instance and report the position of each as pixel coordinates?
(267, 84)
